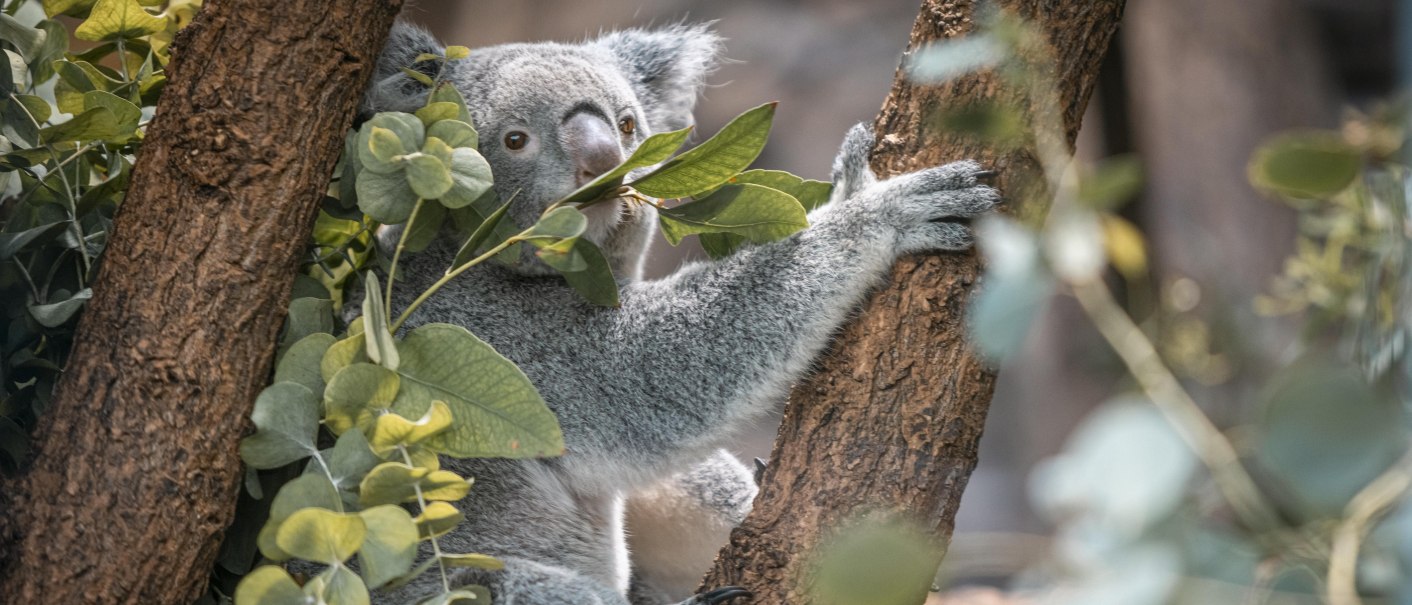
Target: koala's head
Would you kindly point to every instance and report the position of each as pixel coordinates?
(552, 116)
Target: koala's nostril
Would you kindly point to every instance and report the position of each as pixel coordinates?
(593, 145)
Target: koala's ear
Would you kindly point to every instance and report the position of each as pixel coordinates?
(667, 68)
(391, 89)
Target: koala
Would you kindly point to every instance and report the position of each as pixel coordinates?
(647, 392)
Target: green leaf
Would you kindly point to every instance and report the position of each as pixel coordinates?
(56, 43)
(712, 163)
(427, 226)
(1112, 182)
(343, 587)
(12, 243)
(1311, 164)
(349, 460)
(656, 149)
(810, 194)
(394, 483)
(391, 430)
(563, 256)
(437, 519)
(437, 111)
(430, 179)
(300, 363)
(418, 76)
(55, 314)
(596, 282)
(269, 585)
(385, 197)
(424, 57)
(300, 493)
(404, 127)
(95, 124)
(390, 545)
(380, 347)
(457, 52)
(447, 92)
(454, 132)
(307, 316)
(497, 411)
(384, 147)
(116, 19)
(74, 8)
(564, 222)
(347, 350)
(27, 40)
(322, 536)
(356, 394)
(126, 115)
(286, 426)
(75, 79)
(754, 212)
(1326, 433)
(470, 249)
(470, 178)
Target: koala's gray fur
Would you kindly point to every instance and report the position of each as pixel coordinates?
(647, 392)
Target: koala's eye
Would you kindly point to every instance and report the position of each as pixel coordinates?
(627, 125)
(515, 140)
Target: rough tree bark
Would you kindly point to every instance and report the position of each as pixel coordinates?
(136, 470)
(891, 423)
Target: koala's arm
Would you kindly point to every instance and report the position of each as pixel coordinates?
(702, 352)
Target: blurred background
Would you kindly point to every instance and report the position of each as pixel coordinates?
(1191, 86)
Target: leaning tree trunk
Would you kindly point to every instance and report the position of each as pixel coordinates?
(135, 472)
(890, 425)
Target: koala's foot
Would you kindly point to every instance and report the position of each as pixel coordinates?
(718, 596)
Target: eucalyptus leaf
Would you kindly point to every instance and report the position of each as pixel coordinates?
(286, 420)
(386, 135)
(390, 545)
(343, 587)
(470, 178)
(349, 460)
(437, 518)
(392, 430)
(12, 243)
(754, 212)
(470, 249)
(320, 535)
(446, 92)
(563, 223)
(596, 282)
(356, 394)
(394, 483)
(497, 411)
(118, 19)
(269, 585)
(437, 111)
(429, 178)
(300, 493)
(27, 40)
(1310, 164)
(377, 333)
(454, 132)
(54, 314)
(388, 198)
(476, 561)
(715, 161)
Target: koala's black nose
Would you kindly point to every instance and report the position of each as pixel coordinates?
(592, 146)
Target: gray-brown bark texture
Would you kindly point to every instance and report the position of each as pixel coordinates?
(890, 425)
(135, 473)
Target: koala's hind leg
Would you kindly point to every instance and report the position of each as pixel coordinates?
(676, 527)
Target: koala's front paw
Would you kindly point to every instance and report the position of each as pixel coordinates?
(932, 209)
(718, 596)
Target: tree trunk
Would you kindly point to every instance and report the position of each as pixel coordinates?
(136, 470)
(890, 425)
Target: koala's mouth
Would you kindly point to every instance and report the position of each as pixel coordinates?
(964, 221)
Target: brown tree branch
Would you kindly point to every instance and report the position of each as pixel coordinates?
(135, 472)
(891, 423)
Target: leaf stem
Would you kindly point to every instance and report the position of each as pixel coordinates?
(1367, 506)
(422, 507)
(397, 255)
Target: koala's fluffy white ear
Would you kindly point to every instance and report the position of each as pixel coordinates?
(667, 68)
(391, 89)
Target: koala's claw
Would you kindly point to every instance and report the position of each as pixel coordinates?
(721, 595)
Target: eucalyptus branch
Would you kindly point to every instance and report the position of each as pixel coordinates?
(397, 255)
(1370, 504)
(422, 507)
(1175, 404)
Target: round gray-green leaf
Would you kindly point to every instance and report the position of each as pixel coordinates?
(269, 585)
(404, 127)
(470, 178)
(429, 178)
(390, 545)
(455, 133)
(287, 423)
(385, 197)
